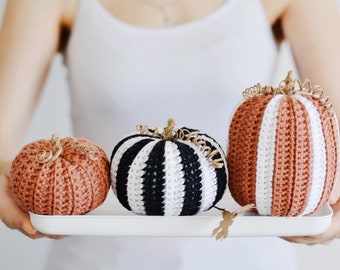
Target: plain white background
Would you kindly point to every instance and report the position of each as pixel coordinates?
(18, 252)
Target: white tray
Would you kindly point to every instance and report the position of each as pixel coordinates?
(119, 222)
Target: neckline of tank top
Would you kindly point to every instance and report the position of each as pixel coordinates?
(225, 8)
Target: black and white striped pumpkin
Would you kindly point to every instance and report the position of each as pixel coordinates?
(178, 172)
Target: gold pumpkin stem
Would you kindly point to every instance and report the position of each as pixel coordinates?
(172, 134)
(56, 147)
(168, 133)
(290, 83)
(50, 155)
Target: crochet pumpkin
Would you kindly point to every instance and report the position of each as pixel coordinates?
(178, 172)
(60, 176)
(283, 149)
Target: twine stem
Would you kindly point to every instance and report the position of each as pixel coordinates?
(168, 133)
(50, 155)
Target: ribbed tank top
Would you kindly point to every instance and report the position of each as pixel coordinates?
(123, 75)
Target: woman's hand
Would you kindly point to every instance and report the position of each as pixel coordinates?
(10, 212)
(333, 230)
(326, 237)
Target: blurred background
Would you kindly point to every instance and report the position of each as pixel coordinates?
(32, 253)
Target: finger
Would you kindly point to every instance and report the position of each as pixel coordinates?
(38, 235)
(29, 230)
(335, 195)
(295, 239)
(5, 167)
(328, 242)
(307, 240)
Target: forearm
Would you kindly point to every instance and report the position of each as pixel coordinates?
(28, 42)
(313, 29)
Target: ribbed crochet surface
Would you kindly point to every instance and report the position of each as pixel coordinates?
(72, 184)
(152, 176)
(283, 153)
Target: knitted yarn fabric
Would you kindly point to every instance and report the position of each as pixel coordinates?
(60, 177)
(283, 149)
(153, 175)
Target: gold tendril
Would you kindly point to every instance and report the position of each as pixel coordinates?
(228, 217)
(44, 156)
(91, 151)
(50, 155)
(291, 86)
(145, 130)
(172, 134)
(258, 90)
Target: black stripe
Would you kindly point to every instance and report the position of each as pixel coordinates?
(221, 173)
(115, 149)
(123, 170)
(192, 180)
(154, 181)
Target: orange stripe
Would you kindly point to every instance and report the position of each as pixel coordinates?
(242, 151)
(303, 159)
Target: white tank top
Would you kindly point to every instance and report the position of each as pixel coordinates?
(121, 75)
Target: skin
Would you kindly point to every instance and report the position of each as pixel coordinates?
(30, 37)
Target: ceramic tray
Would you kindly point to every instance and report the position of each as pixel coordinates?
(119, 222)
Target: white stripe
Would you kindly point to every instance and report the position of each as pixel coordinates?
(135, 178)
(174, 181)
(318, 166)
(117, 157)
(266, 156)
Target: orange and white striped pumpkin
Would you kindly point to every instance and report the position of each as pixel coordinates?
(283, 149)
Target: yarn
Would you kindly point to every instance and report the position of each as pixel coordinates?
(283, 149)
(60, 176)
(178, 172)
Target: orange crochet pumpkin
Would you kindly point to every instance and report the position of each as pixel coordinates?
(283, 149)
(60, 176)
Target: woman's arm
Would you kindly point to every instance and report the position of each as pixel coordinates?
(29, 39)
(312, 27)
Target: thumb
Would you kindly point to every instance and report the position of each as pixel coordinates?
(28, 227)
(5, 167)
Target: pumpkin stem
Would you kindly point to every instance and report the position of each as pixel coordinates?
(289, 83)
(56, 147)
(50, 155)
(169, 131)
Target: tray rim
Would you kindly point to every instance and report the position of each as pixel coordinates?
(201, 225)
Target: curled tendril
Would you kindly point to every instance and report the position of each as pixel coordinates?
(50, 155)
(145, 130)
(170, 133)
(291, 86)
(91, 151)
(44, 156)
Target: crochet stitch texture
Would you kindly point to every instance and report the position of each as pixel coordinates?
(156, 176)
(283, 152)
(71, 184)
